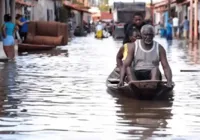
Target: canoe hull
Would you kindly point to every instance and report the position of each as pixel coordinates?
(144, 90)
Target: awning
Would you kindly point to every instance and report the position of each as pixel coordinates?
(163, 3)
(75, 7)
(185, 2)
(21, 2)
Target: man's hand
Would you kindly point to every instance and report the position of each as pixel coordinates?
(170, 84)
(121, 84)
(133, 39)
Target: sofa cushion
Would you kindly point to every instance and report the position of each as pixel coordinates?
(29, 38)
(32, 27)
(47, 28)
(38, 40)
(47, 40)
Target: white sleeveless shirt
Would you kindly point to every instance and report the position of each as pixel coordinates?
(146, 59)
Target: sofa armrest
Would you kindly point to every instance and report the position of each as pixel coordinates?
(63, 31)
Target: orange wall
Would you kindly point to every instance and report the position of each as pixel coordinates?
(85, 2)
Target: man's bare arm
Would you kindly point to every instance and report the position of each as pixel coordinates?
(165, 64)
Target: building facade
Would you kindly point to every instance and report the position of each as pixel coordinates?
(181, 8)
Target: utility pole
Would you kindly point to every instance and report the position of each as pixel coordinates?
(169, 12)
(152, 12)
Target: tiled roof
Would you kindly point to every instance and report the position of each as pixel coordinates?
(23, 3)
(75, 7)
(106, 15)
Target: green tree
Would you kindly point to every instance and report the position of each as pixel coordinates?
(104, 5)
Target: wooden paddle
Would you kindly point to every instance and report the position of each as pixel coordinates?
(189, 70)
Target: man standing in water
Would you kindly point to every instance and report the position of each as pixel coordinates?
(175, 21)
(145, 54)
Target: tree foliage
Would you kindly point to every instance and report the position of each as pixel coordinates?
(104, 5)
(104, 8)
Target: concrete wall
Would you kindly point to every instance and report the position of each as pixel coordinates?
(2, 11)
(87, 17)
(39, 11)
(157, 18)
(199, 15)
(77, 17)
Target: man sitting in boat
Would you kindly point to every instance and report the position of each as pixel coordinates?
(144, 56)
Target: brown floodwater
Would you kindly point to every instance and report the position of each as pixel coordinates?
(59, 95)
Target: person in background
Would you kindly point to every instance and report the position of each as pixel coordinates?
(24, 28)
(99, 30)
(175, 25)
(158, 28)
(123, 51)
(186, 27)
(20, 24)
(169, 35)
(8, 30)
(137, 23)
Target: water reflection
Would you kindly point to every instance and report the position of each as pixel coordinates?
(144, 118)
(8, 102)
(169, 43)
(55, 52)
(194, 52)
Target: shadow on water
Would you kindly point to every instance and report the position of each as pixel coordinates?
(8, 102)
(194, 52)
(54, 52)
(144, 118)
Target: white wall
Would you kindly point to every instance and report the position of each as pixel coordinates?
(157, 18)
(39, 11)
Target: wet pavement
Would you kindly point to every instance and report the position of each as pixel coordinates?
(61, 95)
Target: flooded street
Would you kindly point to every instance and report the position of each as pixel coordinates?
(60, 96)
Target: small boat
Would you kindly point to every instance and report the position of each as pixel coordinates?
(143, 90)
